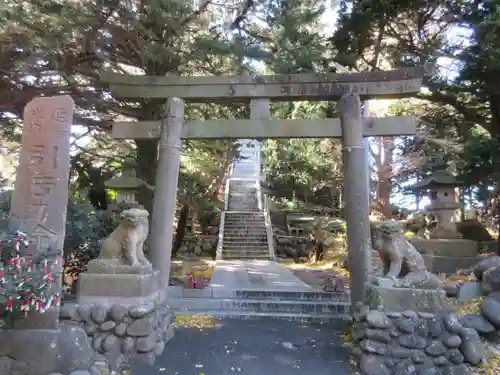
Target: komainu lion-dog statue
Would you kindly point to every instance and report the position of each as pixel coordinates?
(402, 263)
(123, 250)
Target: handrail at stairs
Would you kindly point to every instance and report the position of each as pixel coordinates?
(269, 229)
(223, 215)
(221, 235)
(226, 191)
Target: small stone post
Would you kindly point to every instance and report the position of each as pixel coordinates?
(165, 198)
(355, 197)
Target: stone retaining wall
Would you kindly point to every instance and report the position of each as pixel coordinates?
(415, 343)
(118, 332)
(199, 245)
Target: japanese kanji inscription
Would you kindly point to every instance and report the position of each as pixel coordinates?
(41, 190)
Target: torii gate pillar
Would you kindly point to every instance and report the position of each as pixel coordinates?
(356, 197)
(165, 198)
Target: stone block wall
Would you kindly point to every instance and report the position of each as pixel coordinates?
(290, 246)
(447, 256)
(200, 239)
(415, 343)
(202, 245)
(119, 331)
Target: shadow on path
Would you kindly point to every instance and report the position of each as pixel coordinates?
(251, 347)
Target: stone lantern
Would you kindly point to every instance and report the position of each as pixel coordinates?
(127, 184)
(441, 187)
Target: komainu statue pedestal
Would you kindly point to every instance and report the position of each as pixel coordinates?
(396, 299)
(120, 302)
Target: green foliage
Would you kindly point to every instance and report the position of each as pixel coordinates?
(480, 160)
(307, 170)
(323, 230)
(85, 229)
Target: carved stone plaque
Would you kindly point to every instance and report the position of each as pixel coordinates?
(40, 197)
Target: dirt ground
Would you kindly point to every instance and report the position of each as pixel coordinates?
(315, 274)
(181, 268)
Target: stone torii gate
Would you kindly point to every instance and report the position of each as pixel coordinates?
(348, 89)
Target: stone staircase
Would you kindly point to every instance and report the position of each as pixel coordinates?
(244, 234)
(246, 282)
(310, 306)
(243, 196)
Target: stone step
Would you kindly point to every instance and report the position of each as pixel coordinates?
(245, 237)
(236, 255)
(244, 240)
(248, 252)
(248, 216)
(242, 228)
(244, 214)
(242, 207)
(337, 322)
(253, 217)
(245, 225)
(245, 208)
(244, 246)
(289, 295)
(250, 233)
(242, 233)
(245, 257)
(264, 305)
(242, 219)
(251, 220)
(245, 220)
(245, 230)
(257, 233)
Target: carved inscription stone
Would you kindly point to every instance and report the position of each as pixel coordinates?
(41, 190)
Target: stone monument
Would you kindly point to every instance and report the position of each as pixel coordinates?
(39, 344)
(405, 284)
(120, 302)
